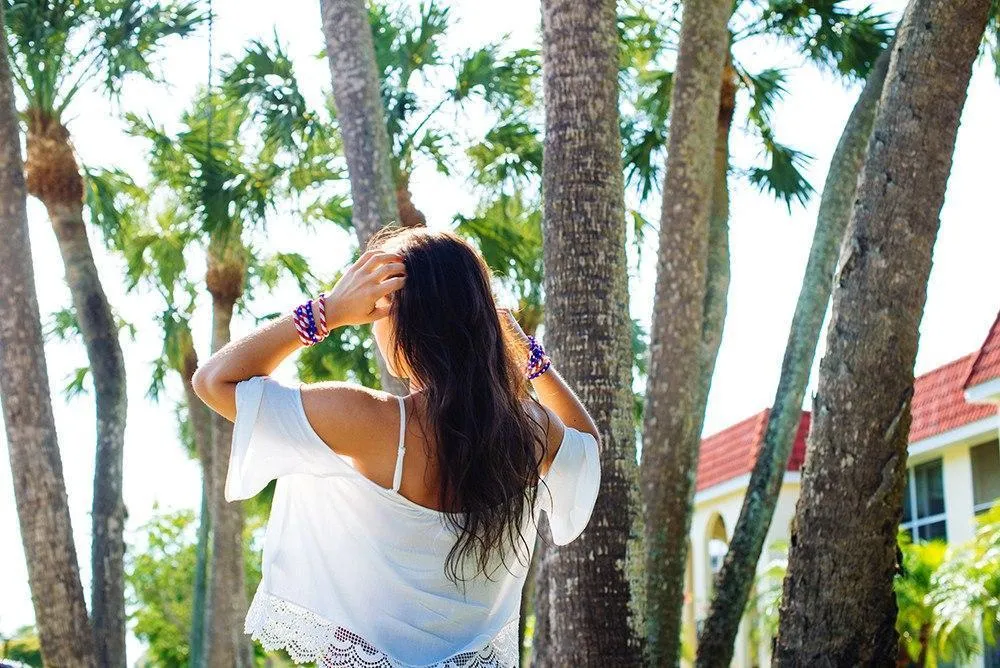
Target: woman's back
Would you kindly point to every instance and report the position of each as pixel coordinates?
(355, 569)
(377, 435)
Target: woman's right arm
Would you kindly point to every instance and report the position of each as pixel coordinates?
(552, 390)
(555, 394)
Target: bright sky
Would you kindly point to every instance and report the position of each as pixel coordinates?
(769, 249)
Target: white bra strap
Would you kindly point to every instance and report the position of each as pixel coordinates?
(397, 477)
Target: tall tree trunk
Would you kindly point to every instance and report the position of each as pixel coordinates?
(587, 612)
(39, 488)
(838, 603)
(54, 178)
(732, 588)
(350, 51)
(107, 367)
(225, 644)
(678, 354)
(717, 267)
(201, 423)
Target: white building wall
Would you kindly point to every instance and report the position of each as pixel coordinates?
(726, 501)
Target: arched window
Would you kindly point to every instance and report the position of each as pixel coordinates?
(716, 546)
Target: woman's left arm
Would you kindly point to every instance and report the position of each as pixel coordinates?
(353, 301)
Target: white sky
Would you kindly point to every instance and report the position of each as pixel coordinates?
(769, 249)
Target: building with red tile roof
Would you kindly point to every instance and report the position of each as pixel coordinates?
(941, 403)
(953, 474)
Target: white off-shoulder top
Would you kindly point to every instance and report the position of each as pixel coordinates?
(353, 572)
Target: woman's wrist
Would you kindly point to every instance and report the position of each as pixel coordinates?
(313, 320)
(538, 361)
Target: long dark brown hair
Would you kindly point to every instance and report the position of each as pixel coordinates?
(448, 332)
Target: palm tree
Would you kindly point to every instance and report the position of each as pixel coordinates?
(240, 152)
(671, 424)
(58, 48)
(918, 621)
(843, 552)
(419, 125)
(965, 590)
(350, 51)
(734, 581)
(588, 334)
(831, 37)
(39, 488)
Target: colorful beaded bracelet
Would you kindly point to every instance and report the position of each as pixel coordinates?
(310, 320)
(538, 361)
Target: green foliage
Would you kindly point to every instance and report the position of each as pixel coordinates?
(920, 618)
(828, 32)
(160, 581)
(58, 47)
(946, 595)
(966, 588)
(160, 584)
(408, 53)
(991, 40)
(23, 646)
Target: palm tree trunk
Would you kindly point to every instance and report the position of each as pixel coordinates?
(100, 334)
(350, 51)
(225, 644)
(717, 268)
(201, 422)
(54, 178)
(39, 488)
(586, 610)
(838, 605)
(732, 588)
(678, 355)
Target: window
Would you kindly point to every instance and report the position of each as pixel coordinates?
(985, 475)
(923, 502)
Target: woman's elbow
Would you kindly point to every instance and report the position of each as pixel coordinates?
(201, 382)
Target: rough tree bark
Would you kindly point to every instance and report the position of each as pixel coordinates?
(39, 488)
(838, 603)
(587, 612)
(732, 588)
(201, 423)
(52, 175)
(225, 643)
(350, 51)
(678, 354)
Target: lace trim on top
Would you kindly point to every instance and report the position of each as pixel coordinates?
(309, 638)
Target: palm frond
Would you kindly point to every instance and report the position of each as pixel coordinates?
(60, 47)
(503, 81)
(132, 31)
(508, 158)
(782, 177)
(265, 79)
(114, 203)
(829, 33)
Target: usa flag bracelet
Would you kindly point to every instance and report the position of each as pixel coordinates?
(538, 361)
(310, 320)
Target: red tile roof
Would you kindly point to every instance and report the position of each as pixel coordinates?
(986, 366)
(733, 451)
(939, 405)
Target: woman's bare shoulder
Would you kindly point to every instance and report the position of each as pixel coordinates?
(352, 419)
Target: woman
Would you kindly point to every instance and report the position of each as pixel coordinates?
(402, 527)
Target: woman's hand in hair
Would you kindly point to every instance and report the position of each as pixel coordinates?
(358, 297)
